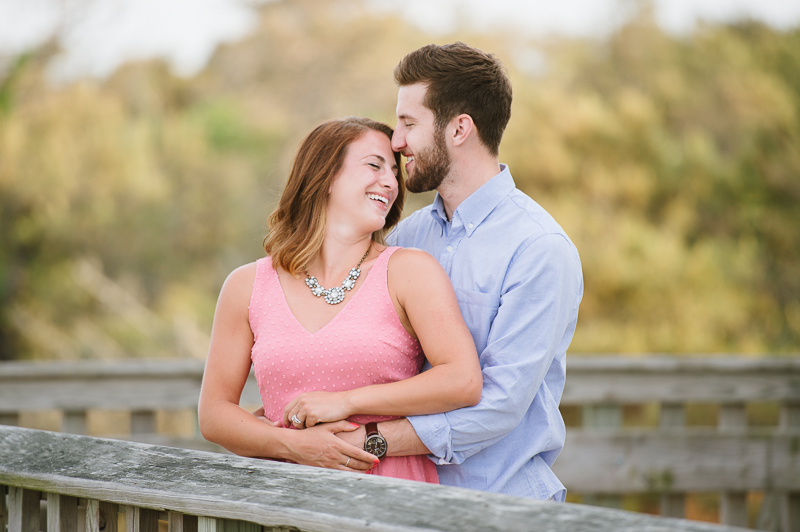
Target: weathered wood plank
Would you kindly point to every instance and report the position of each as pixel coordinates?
(143, 422)
(733, 508)
(101, 516)
(790, 415)
(673, 417)
(207, 524)
(109, 517)
(672, 379)
(137, 384)
(607, 418)
(790, 512)
(151, 384)
(23, 510)
(9, 418)
(668, 461)
(733, 502)
(62, 513)
(93, 516)
(284, 495)
(230, 525)
(3, 507)
(74, 422)
(790, 501)
(178, 522)
(141, 519)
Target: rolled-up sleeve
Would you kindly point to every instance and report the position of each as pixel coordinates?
(537, 308)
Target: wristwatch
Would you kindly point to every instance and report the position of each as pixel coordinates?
(374, 442)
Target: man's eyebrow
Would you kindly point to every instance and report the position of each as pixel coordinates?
(405, 116)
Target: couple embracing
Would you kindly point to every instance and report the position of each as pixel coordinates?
(480, 290)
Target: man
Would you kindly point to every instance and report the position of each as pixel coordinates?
(516, 274)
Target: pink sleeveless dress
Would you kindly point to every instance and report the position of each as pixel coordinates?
(364, 344)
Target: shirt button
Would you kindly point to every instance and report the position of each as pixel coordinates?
(470, 226)
(449, 249)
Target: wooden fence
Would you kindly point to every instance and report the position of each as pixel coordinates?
(86, 483)
(603, 458)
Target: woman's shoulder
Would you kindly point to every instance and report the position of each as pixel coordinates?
(412, 262)
(242, 278)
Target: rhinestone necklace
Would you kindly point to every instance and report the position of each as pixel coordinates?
(336, 294)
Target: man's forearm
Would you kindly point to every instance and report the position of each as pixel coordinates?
(401, 438)
(399, 434)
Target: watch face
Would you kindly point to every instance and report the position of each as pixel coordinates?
(376, 445)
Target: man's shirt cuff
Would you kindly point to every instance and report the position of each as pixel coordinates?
(434, 431)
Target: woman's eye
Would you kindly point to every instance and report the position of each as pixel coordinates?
(376, 166)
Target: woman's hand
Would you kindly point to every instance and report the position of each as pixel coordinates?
(312, 408)
(319, 446)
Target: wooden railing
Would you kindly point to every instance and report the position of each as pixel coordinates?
(86, 483)
(604, 456)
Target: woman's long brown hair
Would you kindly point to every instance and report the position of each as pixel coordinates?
(297, 226)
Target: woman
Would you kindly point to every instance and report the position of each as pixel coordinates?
(355, 355)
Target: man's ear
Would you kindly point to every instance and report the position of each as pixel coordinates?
(462, 128)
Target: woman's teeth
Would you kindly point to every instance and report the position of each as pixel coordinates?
(378, 198)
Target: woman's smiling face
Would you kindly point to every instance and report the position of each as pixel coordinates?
(366, 186)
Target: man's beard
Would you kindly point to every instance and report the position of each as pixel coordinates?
(431, 166)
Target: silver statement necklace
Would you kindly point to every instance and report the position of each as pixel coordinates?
(335, 295)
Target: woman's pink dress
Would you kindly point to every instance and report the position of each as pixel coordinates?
(364, 344)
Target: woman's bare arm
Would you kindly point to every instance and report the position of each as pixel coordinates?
(224, 422)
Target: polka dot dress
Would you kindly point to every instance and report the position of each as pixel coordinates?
(364, 344)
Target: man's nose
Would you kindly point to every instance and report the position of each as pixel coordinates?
(398, 141)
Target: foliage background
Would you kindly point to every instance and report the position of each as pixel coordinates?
(672, 162)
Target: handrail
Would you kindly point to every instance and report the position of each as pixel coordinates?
(603, 457)
(276, 495)
(134, 383)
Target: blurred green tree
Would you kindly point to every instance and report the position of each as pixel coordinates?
(672, 162)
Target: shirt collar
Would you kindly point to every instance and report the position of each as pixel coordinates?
(480, 203)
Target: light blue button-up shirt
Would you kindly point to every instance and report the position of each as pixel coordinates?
(517, 277)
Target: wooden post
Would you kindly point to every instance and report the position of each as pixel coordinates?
(230, 525)
(141, 519)
(607, 417)
(9, 418)
(102, 516)
(179, 522)
(143, 422)
(62, 513)
(74, 422)
(92, 516)
(23, 510)
(733, 504)
(673, 416)
(3, 508)
(205, 524)
(790, 501)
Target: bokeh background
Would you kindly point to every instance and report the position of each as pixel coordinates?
(142, 149)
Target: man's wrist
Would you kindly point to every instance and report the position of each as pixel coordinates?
(401, 439)
(354, 437)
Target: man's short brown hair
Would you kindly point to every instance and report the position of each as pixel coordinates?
(461, 80)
